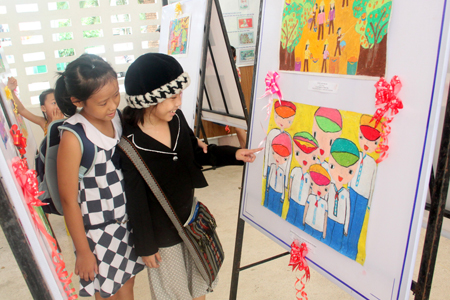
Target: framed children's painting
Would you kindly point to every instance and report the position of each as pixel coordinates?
(347, 114)
(179, 36)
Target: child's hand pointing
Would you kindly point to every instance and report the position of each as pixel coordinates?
(247, 155)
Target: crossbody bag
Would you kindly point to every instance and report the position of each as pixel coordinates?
(199, 235)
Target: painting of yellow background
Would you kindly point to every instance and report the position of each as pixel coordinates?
(303, 121)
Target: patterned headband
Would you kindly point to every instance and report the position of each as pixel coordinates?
(160, 94)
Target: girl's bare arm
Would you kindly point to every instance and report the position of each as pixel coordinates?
(12, 85)
(68, 163)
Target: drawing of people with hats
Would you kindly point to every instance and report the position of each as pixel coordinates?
(321, 20)
(284, 114)
(305, 146)
(326, 55)
(327, 127)
(362, 185)
(331, 17)
(344, 155)
(307, 57)
(276, 183)
(316, 208)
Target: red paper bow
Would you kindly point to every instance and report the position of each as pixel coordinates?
(28, 182)
(298, 262)
(388, 105)
(19, 141)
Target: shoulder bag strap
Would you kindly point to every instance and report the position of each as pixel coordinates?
(143, 169)
(131, 152)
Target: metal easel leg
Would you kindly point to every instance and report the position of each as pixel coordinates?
(437, 209)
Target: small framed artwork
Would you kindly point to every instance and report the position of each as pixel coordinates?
(246, 38)
(247, 55)
(243, 4)
(179, 36)
(245, 23)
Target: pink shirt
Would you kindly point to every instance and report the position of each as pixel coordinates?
(321, 18)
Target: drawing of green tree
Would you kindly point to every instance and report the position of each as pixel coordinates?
(295, 17)
(372, 27)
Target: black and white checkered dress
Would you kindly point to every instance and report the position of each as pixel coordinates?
(102, 201)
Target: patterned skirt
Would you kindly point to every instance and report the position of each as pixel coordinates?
(177, 277)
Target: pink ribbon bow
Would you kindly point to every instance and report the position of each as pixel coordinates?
(271, 88)
(298, 262)
(387, 105)
(272, 84)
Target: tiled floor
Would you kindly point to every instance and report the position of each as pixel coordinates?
(272, 280)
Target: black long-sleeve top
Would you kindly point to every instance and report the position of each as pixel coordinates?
(177, 171)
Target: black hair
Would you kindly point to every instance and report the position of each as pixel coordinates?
(82, 78)
(134, 116)
(44, 94)
(42, 98)
(324, 47)
(233, 51)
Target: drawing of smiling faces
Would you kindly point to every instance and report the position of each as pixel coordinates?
(320, 180)
(281, 148)
(327, 127)
(305, 150)
(369, 134)
(344, 156)
(284, 113)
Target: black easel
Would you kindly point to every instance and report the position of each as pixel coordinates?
(20, 247)
(213, 6)
(438, 187)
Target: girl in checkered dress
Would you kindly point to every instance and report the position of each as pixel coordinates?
(94, 206)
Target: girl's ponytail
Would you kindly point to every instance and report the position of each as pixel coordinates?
(62, 97)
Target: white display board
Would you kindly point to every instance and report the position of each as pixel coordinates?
(241, 21)
(191, 61)
(38, 243)
(219, 64)
(224, 94)
(417, 52)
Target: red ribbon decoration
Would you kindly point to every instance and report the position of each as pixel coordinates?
(387, 105)
(298, 262)
(28, 182)
(19, 141)
(227, 129)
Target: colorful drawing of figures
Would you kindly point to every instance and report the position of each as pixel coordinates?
(364, 23)
(277, 177)
(305, 146)
(247, 55)
(245, 23)
(178, 36)
(344, 155)
(362, 185)
(327, 190)
(316, 209)
(327, 126)
(283, 115)
(246, 38)
(243, 4)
